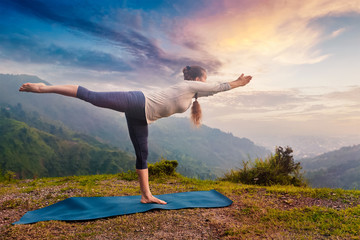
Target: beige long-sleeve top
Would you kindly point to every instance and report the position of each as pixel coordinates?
(178, 98)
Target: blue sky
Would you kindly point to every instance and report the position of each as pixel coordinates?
(304, 56)
(118, 36)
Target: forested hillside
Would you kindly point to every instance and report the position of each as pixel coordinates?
(203, 153)
(336, 169)
(48, 150)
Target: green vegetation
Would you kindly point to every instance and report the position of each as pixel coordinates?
(278, 169)
(52, 150)
(7, 176)
(163, 168)
(337, 169)
(325, 221)
(257, 212)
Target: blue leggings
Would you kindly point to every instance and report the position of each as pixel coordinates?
(133, 105)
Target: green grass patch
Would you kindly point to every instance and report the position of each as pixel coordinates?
(325, 221)
(12, 204)
(128, 176)
(323, 193)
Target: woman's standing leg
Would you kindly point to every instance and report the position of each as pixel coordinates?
(138, 130)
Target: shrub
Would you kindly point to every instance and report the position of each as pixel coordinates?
(128, 176)
(277, 169)
(158, 169)
(163, 168)
(8, 176)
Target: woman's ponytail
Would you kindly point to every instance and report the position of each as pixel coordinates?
(190, 74)
(196, 114)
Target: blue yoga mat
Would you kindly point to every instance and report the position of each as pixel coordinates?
(89, 208)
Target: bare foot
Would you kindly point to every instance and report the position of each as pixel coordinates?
(31, 87)
(152, 199)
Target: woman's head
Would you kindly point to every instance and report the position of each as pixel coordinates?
(194, 73)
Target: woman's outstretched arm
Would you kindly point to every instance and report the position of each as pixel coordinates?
(241, 81)
(66, 90)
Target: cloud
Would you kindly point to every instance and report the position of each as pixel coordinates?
(285, 112)
(337, 32)
(129, 35)
(221, 35)
(263, 100)
(276, 30)
(285, 105)
(133, 41)
(350, 95)
(24, 49)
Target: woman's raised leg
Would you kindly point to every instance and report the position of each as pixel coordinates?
(66, 90)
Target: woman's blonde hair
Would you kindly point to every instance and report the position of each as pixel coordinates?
(190, 74)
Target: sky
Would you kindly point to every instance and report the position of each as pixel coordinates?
(303, 55)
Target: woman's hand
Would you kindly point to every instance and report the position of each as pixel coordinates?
(241, 81)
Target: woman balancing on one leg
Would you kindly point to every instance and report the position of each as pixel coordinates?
(142, 109)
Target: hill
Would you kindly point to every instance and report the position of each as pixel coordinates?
(275, 212)
(202, 153)
(53, 150)
(205, 150)
(336, 169)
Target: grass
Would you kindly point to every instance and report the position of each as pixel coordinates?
(326, 222)
(275, 212)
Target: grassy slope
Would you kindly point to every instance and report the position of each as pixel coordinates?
(257, 212)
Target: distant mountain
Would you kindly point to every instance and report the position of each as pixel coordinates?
(336, 169)
(202, 153)
(308, 146)
(209, 148)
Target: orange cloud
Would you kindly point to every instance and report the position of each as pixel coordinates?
(276, 30)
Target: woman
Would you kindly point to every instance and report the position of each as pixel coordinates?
(142, 109)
